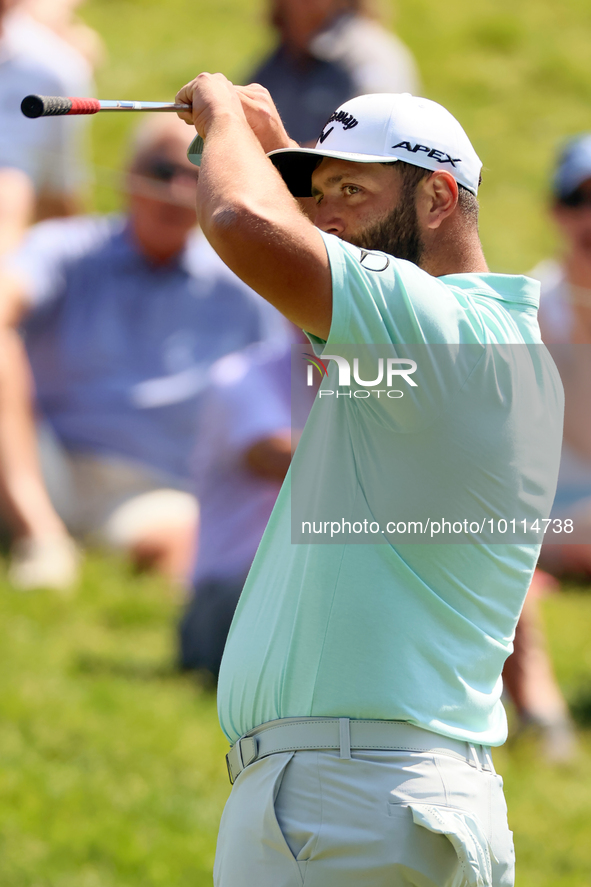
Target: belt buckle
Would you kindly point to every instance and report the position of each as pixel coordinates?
(245, 751)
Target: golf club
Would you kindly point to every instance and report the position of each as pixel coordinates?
(53, 106)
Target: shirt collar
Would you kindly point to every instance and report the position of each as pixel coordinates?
(516, 288)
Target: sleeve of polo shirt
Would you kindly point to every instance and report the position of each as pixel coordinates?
(61, 146)
(62, 168)
(378, 299)
(244, 405)
(257, 405)
(46, 252)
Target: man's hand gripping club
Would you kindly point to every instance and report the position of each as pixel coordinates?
(244, 207)
(211, 95)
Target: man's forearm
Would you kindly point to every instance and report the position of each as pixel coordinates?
(22, 490)
(53, 205)
(238, 180)
(17, 200)
(245, 209)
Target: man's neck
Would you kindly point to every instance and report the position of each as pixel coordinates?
(152, 251)
(158, 257)
(460, 256)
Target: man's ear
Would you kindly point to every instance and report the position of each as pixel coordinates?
(437, 198)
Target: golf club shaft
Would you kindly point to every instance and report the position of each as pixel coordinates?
(52, 106)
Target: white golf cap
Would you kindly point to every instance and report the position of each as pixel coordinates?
(381, 128)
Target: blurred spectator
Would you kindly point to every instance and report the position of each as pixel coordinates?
(565, 322)
(49, 151)
(245, 447)
(329, 51)
(528, 677)
(122, 318)
(59, 16)
(17, 206)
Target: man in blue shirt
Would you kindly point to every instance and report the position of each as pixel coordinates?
(122, 317)
(360, 685)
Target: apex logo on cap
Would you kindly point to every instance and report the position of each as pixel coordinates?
(441, 156)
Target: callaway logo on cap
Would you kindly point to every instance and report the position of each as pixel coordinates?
(381, 128)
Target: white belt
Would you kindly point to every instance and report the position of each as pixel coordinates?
(299, 734)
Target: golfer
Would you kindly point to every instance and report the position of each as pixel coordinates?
(360, 686)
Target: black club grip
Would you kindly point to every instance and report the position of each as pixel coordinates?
(45, 106)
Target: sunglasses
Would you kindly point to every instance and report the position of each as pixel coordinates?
(576, 200)
(166, 170)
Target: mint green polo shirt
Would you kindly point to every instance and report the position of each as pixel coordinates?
(413, 632)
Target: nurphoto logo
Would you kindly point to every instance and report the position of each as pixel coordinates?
(389, 371)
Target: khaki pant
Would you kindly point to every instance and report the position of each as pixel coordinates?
(110, 500)
(379, 819)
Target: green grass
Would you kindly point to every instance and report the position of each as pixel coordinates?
(549, 806)
(112, 768)
(112, 765)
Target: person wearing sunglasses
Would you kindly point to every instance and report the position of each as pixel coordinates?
(122, 316)
(565, 324)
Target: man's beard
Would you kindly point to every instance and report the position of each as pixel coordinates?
(398, 233)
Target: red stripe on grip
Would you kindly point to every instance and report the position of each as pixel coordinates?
(84, 106)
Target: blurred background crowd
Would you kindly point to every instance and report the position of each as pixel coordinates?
(147, 405)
